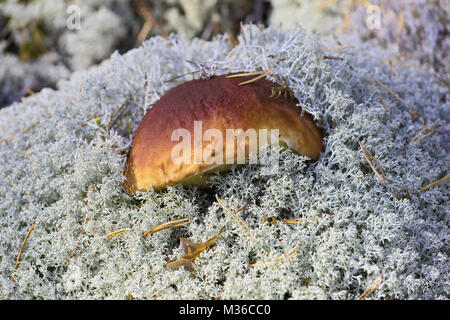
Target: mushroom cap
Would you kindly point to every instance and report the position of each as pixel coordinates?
(219, 103)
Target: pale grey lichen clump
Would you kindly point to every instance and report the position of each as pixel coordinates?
(54, 40)
(18, 78)
(414, 28)
(81, 32)
(66, 173)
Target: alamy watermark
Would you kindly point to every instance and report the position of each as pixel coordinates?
(237, 145)
(73, 21)
(373, 17)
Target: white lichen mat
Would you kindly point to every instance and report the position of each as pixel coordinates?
(62, 155)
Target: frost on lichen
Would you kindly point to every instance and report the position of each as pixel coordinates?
(65, 173)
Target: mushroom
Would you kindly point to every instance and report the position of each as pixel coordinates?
(213, 108)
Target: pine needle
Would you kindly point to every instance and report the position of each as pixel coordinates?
(245, 74)
(233, 41)
(23, 130)
(286, 256)
(368, 155)
(13, 277)
(290, 221)
(380, 96)
(408, 195)
(400, 26)
(307, 281)
(388, 90)
(116, 233)
(390, 59)
(418, 136)
(373, 286)
(338, 48)
(325, 4)
(431, 185)
(147, 14)
(145, 30)
(30, 92)
(421, 131)
(86, 218)
(239, 221)
(243, 33)
(20, 132)
(258, 77)
(365, 3)
(167, 225)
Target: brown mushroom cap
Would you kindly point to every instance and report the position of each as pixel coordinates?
(220, 103)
